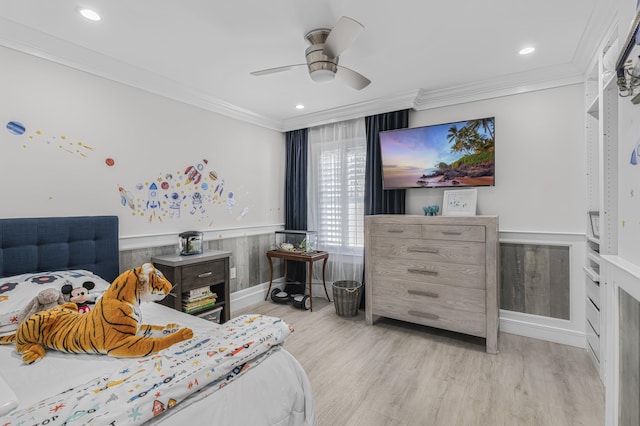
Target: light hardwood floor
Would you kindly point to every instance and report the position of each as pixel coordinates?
(395, 373)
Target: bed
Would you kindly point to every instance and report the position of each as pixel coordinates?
(270, 389)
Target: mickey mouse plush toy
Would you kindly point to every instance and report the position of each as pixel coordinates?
(80, 295)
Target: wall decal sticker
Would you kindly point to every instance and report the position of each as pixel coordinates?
(126, 199)
(192, 189)
(80, 148)
(175, 202)
(15, 128)
(231, 202)
(635, 154)
(243, 213)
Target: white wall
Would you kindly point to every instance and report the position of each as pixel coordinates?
(75, 121)
(540, 152)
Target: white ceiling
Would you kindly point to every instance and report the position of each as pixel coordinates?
(416, 53)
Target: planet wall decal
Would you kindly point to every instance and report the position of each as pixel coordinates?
(15, 128)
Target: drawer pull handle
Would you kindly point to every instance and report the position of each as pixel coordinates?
(395, 231)
(424, 293)
(205, 274)
(422, 271)
(423, 315)
(422, 250)
(451, 233)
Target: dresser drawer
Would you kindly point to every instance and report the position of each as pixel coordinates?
(593, 340)
(593, 316)
(453, 232)
(462, 252)
(593, 292)
(470, 276)
(396, 230)
(444, 296)
(202, 274)
(433, 315)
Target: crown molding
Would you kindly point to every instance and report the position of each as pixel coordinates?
(36, 43)
(39, 44)
(600, 29)
(499, 87)
(403, 100)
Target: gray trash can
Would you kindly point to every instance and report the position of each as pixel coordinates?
(346, 297)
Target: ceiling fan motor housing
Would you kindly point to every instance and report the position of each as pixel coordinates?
(321, 67)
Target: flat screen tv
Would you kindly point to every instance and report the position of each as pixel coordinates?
(459, 154)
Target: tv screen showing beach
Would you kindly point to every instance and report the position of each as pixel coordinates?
(444, 155)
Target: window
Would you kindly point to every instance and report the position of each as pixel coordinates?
(337, 154)
(341, 197)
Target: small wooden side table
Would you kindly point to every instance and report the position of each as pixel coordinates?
(299, 257)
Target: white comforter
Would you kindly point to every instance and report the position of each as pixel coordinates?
(271, 390)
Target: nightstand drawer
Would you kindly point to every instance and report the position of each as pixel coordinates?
(202, 274)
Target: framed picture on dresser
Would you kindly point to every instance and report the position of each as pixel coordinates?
(460, 202)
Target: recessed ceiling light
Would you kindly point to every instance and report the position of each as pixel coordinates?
(299, 106)
(91, 15)
(527, 50)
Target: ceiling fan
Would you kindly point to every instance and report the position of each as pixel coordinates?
(324, 53)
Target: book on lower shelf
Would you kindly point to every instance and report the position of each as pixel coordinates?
(199, 302)
(196, 293)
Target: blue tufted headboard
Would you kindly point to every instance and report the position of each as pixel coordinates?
(60, 243)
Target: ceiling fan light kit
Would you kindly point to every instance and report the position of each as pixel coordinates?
(321, 67)
(322, 75)
(323, 55)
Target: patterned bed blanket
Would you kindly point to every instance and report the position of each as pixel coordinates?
(169, 380)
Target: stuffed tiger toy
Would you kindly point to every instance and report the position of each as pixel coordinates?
(112, 327)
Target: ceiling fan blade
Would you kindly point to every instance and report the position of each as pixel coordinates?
(352, 78)
(341, 36)
(275, 70)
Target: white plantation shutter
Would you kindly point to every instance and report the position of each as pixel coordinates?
(341, 198)
(336, 157)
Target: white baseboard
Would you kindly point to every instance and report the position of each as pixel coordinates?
(545, 332)
(250, 296)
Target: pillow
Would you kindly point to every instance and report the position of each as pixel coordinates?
(17, 291)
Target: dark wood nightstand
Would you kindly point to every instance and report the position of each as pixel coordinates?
(190, 273)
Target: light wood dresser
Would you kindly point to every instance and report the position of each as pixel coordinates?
(439, 271)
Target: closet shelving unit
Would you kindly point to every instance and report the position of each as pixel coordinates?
(601, 137)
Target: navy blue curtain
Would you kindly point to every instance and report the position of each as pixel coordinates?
(295, 197)
(377, 200)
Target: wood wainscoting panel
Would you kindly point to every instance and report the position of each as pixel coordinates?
(535, 279)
